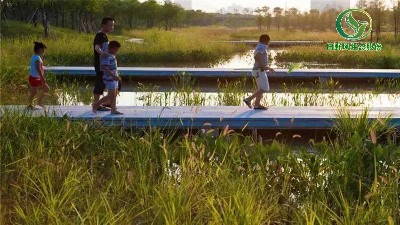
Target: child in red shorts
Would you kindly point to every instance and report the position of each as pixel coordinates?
(36, 76)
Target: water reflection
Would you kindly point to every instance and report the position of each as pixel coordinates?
(217, 98)
(239, 61)
(246, 61)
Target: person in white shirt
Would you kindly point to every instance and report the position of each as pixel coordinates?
(259, 73)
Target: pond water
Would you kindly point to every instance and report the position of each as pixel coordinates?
(159, 93)
(217, 98)
(240, 61)
(246, 61)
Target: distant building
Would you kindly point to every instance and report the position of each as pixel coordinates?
(234, 9)
(323, 5)
(186, 4)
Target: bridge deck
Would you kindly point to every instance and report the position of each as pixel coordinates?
(229, 73)
(237, 117)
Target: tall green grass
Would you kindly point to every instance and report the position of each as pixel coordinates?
(98, 175)
(186, 92)
(69, 48)
(253, 33)
(388, 58)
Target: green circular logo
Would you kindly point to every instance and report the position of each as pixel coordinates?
(361, 29)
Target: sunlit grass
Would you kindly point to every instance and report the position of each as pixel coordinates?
(63, 172)
(253, 33)
(94, 175)
(388, 58)
(66, 48)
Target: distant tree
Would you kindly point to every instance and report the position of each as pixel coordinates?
(314, 19)
(330, 15)
(362, 4)
(294, 17)
(376, 8)
(130, 11)
(267, 16)
(278, 15)
(246, 11)
(285, 17)
(268, 20)
(396, 18)
(85, 15)
(263, 17)
(149, 12)
(45, 12)
(170, 14)
(259, 18)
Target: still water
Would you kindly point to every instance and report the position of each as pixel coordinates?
(171, 98)
(246, 61)
(241, 61)
(208, 95)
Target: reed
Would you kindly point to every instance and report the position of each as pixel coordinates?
(94, 175)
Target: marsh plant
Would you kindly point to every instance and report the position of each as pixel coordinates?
(62, 172)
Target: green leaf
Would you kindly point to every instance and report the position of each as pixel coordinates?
(294, 66)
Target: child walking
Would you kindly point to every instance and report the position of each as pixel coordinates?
(36, 77)
(110, 78)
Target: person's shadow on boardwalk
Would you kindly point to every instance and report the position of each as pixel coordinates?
(248, 113)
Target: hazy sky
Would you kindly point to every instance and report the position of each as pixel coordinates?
(214, 5)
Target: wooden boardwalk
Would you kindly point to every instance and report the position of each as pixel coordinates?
(237, 117)
(142, 72)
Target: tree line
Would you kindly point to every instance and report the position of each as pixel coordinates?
(85, 15)
(384, 18)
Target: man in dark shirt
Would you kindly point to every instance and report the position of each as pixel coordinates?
(100, 45)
